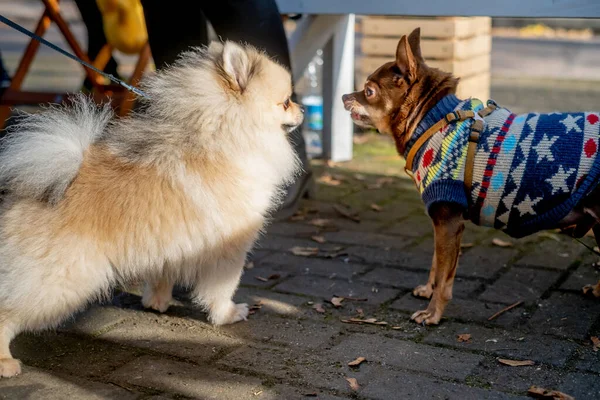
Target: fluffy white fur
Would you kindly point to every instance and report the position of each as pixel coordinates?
(175, 193)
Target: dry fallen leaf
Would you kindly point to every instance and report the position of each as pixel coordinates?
(320, 222)
(304, 251)
(396, 328)
(357, 362)
(359, 177)
(273, 276)
(464, 337)
(353, 383)
(312, 394)
(370, 321)
(596, 343)
(260, 278)
(501, 243)
(318, 239)
(515, 363)
(360, 312)
(298, 217)
(319, 308)
(329, 180)
(466, 245)
(376, 207)
(249, 265)
(337, 301)
(541, 393)
(346, 213)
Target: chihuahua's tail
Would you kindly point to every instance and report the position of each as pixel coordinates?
(43, 152)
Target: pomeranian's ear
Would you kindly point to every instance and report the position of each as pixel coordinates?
(236, 65)
(407, 59)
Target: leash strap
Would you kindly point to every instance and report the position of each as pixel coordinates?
(71, 56)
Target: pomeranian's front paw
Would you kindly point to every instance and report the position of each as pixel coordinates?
(234, 313)
(156, 301)
(9, 367)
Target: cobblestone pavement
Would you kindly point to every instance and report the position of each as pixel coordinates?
(287, 349)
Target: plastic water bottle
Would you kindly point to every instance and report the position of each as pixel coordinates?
(312, 100)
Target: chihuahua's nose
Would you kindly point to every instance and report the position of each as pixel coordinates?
(345, 97)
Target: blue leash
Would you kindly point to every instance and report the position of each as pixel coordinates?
(71, 56)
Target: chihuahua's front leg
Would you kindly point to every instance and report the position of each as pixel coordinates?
(448, 228)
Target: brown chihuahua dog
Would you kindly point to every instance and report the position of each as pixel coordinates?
(518, 173)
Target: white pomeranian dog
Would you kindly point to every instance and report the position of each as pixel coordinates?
(176, 193)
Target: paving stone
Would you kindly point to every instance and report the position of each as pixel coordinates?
(95, 319)
(566, 314)
(387, 385)
(462, 309)
(585, 274)
(581, 386)
(174, 336)
(410, 279)
(552, 254)
(394, 211)
(362, 200)
(35, 384)
(411, 257)
(312, 266)
(284, 244)
(507, 344)
(290, 364)
(484, 262)
(415, 226)
(587, 359)
(407, 355)
(364, 225)
(326, 288)
(256, 255)
(367, 239)
(189, 380)
(520, 284)
(263, 276)
(293, 229)
(272, 302)
(271, 329)
(501, 377)
(70, 354)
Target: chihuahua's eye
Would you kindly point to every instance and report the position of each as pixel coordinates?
(369, 92)
(286, 104)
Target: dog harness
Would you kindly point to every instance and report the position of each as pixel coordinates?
(518, 173)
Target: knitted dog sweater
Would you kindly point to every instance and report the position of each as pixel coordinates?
(529, 172)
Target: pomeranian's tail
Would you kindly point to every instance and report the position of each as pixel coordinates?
(43, 152)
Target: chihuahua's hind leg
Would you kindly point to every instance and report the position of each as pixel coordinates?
(448, 228)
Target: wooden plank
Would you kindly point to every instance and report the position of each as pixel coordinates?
(466, 8)
(430, 27)
(431, 49)
(467, 67)
(477, 86)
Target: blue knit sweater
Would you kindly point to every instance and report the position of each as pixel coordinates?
(530, 170)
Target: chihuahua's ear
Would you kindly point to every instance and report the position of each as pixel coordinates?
(236, 66)
(406, 60)
(414, 40)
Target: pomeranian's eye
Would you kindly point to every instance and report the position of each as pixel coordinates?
(369, 92)
(286, 104)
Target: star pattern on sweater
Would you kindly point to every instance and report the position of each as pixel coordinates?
(526, 206)
(570, 123)
(559, 180)
(544, 148)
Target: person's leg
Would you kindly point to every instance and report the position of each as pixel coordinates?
(92, 18)
(259, 23)
(173, 28)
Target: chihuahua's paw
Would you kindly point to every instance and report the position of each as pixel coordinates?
(156, 301)
(592, 290)
(235, 313)
(423, 291)
(426, 317)
(9, 367)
